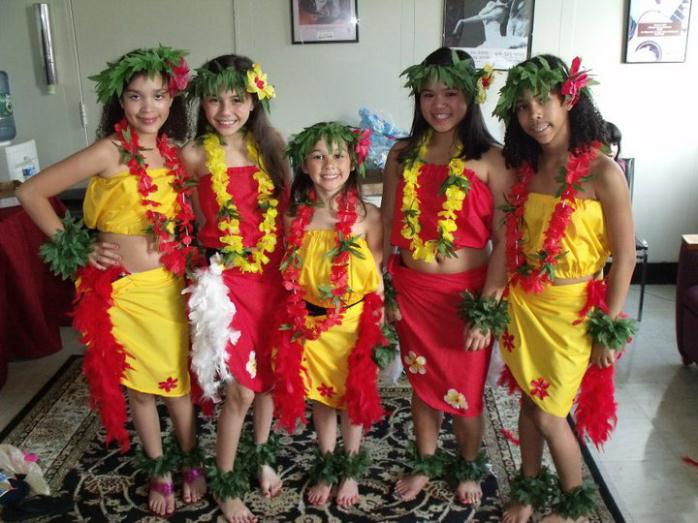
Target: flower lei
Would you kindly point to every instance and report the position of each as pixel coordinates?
(534, 278)
(455, 187)
(339, 275)
(247, 259)
(174, 235)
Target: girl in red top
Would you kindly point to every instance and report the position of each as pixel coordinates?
(238, 160)
(442, 187)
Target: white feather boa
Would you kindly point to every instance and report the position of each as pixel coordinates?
(211, 314)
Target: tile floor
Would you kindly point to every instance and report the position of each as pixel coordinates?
(658, 416)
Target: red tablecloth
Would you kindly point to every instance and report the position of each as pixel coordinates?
(33, 302)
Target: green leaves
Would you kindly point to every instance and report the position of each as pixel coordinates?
(68, 250)
(607, 332)
(461, 75)
(484, 314)
(383, 355)
(334, 133)
(459, 469)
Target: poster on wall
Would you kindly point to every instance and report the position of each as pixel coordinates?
(496, 32)
(657, 31)
(324, 21)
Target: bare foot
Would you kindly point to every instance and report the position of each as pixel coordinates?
(319, 493)
(193, 485)
(235, 511)
(269, 481)
(557, 518)
(517, 513)
(469, 492)
(409, 486)
(348, 492)
(161, 500)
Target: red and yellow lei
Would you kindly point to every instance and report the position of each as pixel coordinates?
(363, 403)
(174, 235)
(455, 187)
(533, 278)
(247, 259)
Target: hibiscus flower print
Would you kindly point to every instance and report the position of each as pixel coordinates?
(539, 388)
(326, 390)
(251, 366)
(169, 384)
(456, 399)
(416, 364)
(508, 341)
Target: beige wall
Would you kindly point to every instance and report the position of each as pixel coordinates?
(652, 104)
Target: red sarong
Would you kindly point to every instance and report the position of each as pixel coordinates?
(442, 373)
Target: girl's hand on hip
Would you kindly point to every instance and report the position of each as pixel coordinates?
(104, 255)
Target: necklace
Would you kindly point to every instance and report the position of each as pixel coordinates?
(247, 259)
(532, 277)
(173, 235)
(455, 187)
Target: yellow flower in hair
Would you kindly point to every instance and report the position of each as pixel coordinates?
(257, 83)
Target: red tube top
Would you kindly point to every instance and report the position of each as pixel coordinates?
(243, 188)
(474, 221)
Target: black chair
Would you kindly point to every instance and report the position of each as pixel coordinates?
(641, 245)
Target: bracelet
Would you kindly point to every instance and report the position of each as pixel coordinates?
(461, 469)
(608, 332)
(383, 355)
(389, 292)
(576, 503)
(537, 491)
(230, 484)
(351, 465)
(484, 314)
(69, 248)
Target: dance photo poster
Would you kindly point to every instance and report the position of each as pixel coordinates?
(657, 31)
(496, 32)
(324, 21)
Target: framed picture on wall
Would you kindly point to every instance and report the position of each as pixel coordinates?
(496, 32)
(324, 21)
(657, 31)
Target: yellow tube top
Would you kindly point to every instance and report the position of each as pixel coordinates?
(363, 275)
(114, 204)
(584, 244)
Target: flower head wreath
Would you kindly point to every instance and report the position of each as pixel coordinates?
(252, 80)
(537, 76)
(157, 60)
(462, 74)
(357, 140)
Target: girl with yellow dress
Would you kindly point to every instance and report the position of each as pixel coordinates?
(568, 211)
(241, 195)
(130, 309)
(331, 318)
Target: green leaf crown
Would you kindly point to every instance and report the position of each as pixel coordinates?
(333, 133)
(156, 60)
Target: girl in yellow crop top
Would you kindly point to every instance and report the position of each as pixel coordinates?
(137, 201)
(333, 309)
(568, 211)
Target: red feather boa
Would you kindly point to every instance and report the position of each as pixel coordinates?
(105, 358)
(596, 405)
(363, 401)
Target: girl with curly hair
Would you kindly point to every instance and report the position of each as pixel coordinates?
(568, 211)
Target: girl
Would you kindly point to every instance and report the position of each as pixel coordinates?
(137, 199)
(441, 185)
(567, 212)
(238, 161)
(333, 310)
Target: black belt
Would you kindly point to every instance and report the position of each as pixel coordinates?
(316, 310)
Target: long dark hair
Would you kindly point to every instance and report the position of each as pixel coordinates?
(176, 126)
(613, 135)
(586, 124)
(472, 132)
(268, 140)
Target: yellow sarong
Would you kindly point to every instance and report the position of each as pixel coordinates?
(148, 318)
(543, 348)
(326, 359)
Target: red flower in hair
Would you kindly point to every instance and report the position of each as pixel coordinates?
(179, 79)
(576, 81)
(363, 143)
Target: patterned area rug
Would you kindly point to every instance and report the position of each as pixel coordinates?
(58, 427)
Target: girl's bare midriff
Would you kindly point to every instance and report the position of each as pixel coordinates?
(138, 253)
(465, 259)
